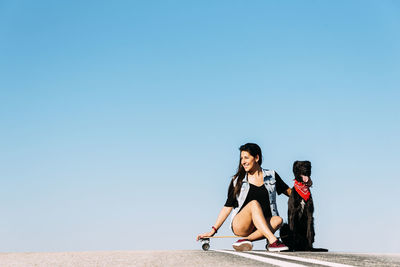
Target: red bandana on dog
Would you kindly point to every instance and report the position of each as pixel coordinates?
(302, 189)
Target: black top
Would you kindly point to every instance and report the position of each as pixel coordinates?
(259, 193)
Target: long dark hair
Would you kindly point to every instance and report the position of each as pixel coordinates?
(253, 150)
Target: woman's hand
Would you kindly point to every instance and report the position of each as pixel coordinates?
(223, 214)
(205, 235)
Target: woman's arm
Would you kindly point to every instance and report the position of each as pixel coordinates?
(281, 186)
(223, 214)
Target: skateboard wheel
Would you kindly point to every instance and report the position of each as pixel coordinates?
(205, 243)
(205, 246)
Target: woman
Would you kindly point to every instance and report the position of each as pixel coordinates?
(252, 197)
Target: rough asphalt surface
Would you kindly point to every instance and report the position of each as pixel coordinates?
(186, 258)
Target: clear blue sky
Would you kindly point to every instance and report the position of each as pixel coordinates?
(121, 121)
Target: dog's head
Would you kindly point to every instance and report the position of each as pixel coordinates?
(301, 168)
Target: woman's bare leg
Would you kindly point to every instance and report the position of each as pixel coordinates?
(249, 217)
(274, 224)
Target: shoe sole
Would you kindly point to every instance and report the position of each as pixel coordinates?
(278, 249)
(243, 247)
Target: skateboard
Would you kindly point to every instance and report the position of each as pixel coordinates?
(205, 242)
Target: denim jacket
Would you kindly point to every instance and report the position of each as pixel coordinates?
(269, 182)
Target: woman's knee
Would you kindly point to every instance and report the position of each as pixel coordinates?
(277, 221)
(255, 204)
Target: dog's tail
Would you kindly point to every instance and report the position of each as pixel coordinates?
(287, 235)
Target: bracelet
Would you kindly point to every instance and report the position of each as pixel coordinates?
(215, 229)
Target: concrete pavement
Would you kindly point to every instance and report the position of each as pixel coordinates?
(195, 258)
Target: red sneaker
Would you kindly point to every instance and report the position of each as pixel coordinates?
(243, 245)
(277, 246)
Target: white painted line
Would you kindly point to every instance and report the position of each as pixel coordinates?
(262, 259)
(280, 255)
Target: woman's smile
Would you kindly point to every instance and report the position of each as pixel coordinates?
(247, 160)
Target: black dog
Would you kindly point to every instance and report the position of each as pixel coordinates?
(299, 233)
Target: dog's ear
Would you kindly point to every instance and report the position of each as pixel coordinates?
(297, 170)
(307, 168)
(295, 167)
